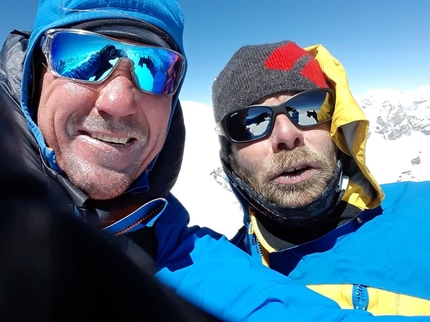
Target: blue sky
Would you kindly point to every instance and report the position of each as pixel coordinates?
(381, 43)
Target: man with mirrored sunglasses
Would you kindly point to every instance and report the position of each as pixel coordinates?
(107, 145)
(293, 143)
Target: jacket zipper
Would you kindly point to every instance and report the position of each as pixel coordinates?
(151, 214)
(360, 297)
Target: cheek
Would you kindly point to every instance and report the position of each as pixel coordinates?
(159, 120)
(58, 101)
(326, 137)
(157, 112)
(320, 141)
(252, 157)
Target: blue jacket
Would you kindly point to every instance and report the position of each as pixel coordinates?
(203, 267)
(379, 261)
(199, 264)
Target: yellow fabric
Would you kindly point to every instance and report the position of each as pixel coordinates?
(265, 248)
(349, 131)
(341, 294)
(381, 302)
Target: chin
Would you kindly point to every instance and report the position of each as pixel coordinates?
(111, 186)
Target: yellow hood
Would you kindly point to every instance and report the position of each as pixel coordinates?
(349, 130)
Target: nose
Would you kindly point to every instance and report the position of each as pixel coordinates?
(117, 96)
(285, 135)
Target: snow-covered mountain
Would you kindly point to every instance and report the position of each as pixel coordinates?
(394, 114)
(399, 142)
(398, 149)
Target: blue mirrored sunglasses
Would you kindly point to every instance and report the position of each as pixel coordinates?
(90, 57)
(305, 109)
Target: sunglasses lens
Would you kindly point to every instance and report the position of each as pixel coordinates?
(91, 58)
(310, 108)
(255, 122)
(249, 124)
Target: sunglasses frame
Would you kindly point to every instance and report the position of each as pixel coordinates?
(221, 126)
(47, 45)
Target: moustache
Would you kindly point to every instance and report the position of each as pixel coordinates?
(286, 159)
(107, 124)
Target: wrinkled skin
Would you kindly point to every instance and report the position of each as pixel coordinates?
(104, 135)
(292, 166)
(54, 267)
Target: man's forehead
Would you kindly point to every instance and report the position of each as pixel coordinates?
(274, 99)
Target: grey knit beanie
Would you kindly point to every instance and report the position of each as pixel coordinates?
(257, 71)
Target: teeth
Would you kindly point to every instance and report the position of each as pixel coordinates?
(295, 169)
(109, 139)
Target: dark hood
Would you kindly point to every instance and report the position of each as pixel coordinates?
(164, 15)
(165, 171)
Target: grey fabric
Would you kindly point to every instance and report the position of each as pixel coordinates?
(257, 71)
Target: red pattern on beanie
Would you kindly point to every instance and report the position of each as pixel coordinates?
(312, 71)
(285, 57)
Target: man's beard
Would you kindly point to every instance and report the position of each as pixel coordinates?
(294, 195)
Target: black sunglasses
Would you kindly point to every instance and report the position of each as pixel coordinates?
(255, 122)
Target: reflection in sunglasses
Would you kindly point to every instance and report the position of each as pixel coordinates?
(90, 57)
(96, 66)
(254, 122)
